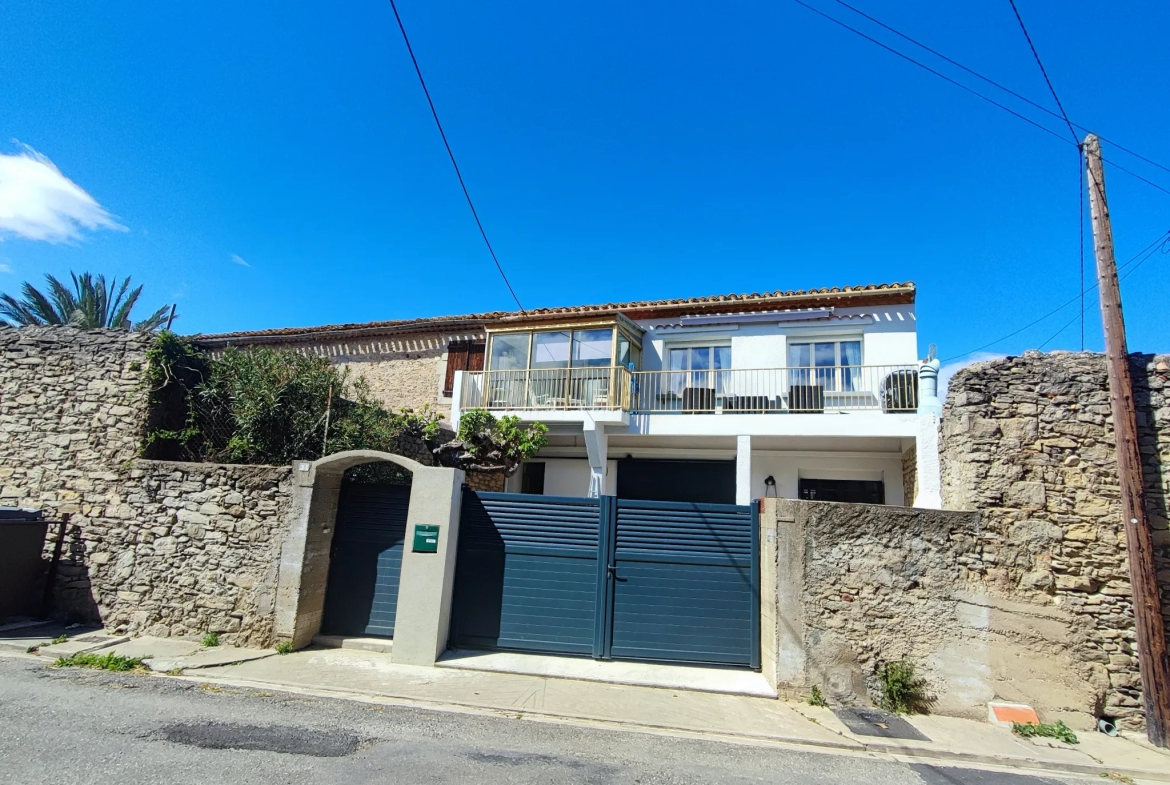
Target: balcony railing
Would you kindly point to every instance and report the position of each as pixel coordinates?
(547, 389)
(887, 388)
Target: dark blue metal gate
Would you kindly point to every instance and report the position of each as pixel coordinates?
(608, 578)
(527, 573)
(361, 597)
(684, 583)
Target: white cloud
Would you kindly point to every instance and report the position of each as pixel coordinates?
(237, 259)
(5, 267)
(37, 202)
(947, 371)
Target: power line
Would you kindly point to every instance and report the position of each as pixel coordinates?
(994, 83)
(451, 155)
(1044, 71)
(1081, 315)
(980, 95)
(1163, 238)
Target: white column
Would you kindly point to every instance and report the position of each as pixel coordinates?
(456, 400)
(597, 448)
(743, 469)
(929, 479)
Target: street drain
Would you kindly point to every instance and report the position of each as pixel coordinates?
(271, 738)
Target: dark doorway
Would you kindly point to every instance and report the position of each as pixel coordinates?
(854, 491)
(705, 482)
(532, 479)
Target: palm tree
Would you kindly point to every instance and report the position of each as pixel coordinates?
(91, 305)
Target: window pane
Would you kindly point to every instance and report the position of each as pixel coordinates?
(851, 360)
(799, 356)
(592, 348)
(700, 358)
(723, 362)
(509, 352)
(550, 350)
(678, 362)
(826, 354)
(623, 351)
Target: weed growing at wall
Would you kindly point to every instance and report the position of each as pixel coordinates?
(903, 690)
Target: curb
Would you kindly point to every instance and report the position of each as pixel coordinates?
(845, 746)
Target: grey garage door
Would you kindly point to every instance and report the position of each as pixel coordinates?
(608, 578)
(361, 597)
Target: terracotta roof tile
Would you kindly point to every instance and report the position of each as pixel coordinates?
(894, 292)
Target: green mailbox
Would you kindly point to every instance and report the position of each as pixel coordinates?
(426, 538)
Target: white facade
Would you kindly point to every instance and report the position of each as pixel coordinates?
(851, 435)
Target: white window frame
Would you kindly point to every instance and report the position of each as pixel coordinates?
(840, 378)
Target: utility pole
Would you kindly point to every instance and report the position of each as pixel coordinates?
(1153, 660)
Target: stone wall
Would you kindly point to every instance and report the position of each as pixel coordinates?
(909, 476)
(860, 585)
(71, 412)
(1028, 441)
(179, 549)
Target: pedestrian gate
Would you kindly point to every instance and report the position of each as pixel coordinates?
(608, 578)
(361, 597)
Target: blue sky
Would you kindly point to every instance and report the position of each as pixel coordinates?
(270, 164)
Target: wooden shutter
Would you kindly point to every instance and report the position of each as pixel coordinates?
(456, 361)
(462, 356)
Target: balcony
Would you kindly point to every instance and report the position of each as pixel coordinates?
(803, 390)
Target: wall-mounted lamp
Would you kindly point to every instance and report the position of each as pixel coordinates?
(770, 487)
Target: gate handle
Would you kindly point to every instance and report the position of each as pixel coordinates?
(612, 570)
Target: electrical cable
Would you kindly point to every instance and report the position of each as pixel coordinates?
(994, 83)
(978, 94)
(451, 155)
(1163, 238)
(1044, 72)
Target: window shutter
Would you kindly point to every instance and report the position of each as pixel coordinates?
(456, 361)
(475, 356)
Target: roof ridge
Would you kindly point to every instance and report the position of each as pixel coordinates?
(491, 316)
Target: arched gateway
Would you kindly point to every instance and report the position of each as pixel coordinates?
(328, 514)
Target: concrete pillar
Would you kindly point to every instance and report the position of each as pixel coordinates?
(427, 580)
(743, 469)
(597, 448)
(304, 554)
(928, 493)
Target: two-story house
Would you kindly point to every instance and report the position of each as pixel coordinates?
(805, 394)
(798, 394)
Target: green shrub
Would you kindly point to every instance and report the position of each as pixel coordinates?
(816, 698)
(284, 647)
(1057, 730)
(903, 691)
(264, 406)
(106, 662)
(211, 639)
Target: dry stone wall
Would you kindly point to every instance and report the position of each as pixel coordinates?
(1028, 441)
(170, 549)
(861, 585)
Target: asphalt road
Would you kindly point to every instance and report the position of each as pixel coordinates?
(76, 726)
